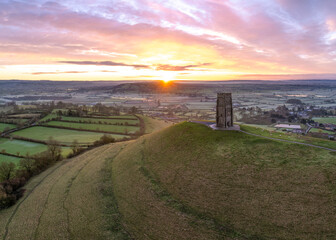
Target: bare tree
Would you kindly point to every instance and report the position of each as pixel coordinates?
(75, 147)
(54, 149)
(27, 164)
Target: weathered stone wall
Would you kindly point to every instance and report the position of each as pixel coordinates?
(224, 111)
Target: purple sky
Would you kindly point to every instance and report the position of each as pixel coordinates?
(171, 39)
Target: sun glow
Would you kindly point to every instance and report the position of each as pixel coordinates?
(166, 80)
(167, 76)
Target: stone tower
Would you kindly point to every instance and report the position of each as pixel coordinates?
(224, 111)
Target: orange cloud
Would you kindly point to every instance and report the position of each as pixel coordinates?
(167, 67)
(275, 38)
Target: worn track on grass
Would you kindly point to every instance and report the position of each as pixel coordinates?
(64, 202)
(189, 182)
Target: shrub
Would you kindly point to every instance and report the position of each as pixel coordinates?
(7, 171)
(10, 192)
(105, 139)
(27, 164)
(54, 150)
(76, 149)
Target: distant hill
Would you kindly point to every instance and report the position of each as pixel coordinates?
(198, 88)
(142, 87)
(294, 101)
(183, 182)
(137, 86)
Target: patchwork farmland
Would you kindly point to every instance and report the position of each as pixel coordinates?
(17, 142)
(4, 126)
(97, 127)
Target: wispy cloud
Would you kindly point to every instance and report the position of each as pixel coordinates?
(105, 63)
(167, 67)
(58, 72)
(274, 37)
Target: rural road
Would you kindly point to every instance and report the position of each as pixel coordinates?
(270, 138)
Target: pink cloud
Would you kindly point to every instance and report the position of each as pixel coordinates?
(279, 36)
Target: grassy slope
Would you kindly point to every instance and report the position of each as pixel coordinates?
(290, 136)
(70, 200)
(153, 125)
(189, 182)
(185, 182)
(94, 127)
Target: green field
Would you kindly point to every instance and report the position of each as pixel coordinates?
(25, 107)
(110, 120)
(316, 130)
(61, 135)
(19, 120)
(101, 121)
(48, 117)
(4, 158)
(3, 126)
(290, 136)
(119, 117)
(24, 147)
(6, 109)
(54, 112)
(25, 116)
(96, 127)
(331, 120)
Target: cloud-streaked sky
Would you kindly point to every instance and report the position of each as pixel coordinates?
(167, 39)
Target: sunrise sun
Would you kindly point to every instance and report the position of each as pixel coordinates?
(168, 76)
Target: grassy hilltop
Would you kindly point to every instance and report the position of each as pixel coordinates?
(184, 182)
(191, 182)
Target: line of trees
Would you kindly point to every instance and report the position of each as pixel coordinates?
(13, 177)
(59, 119)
